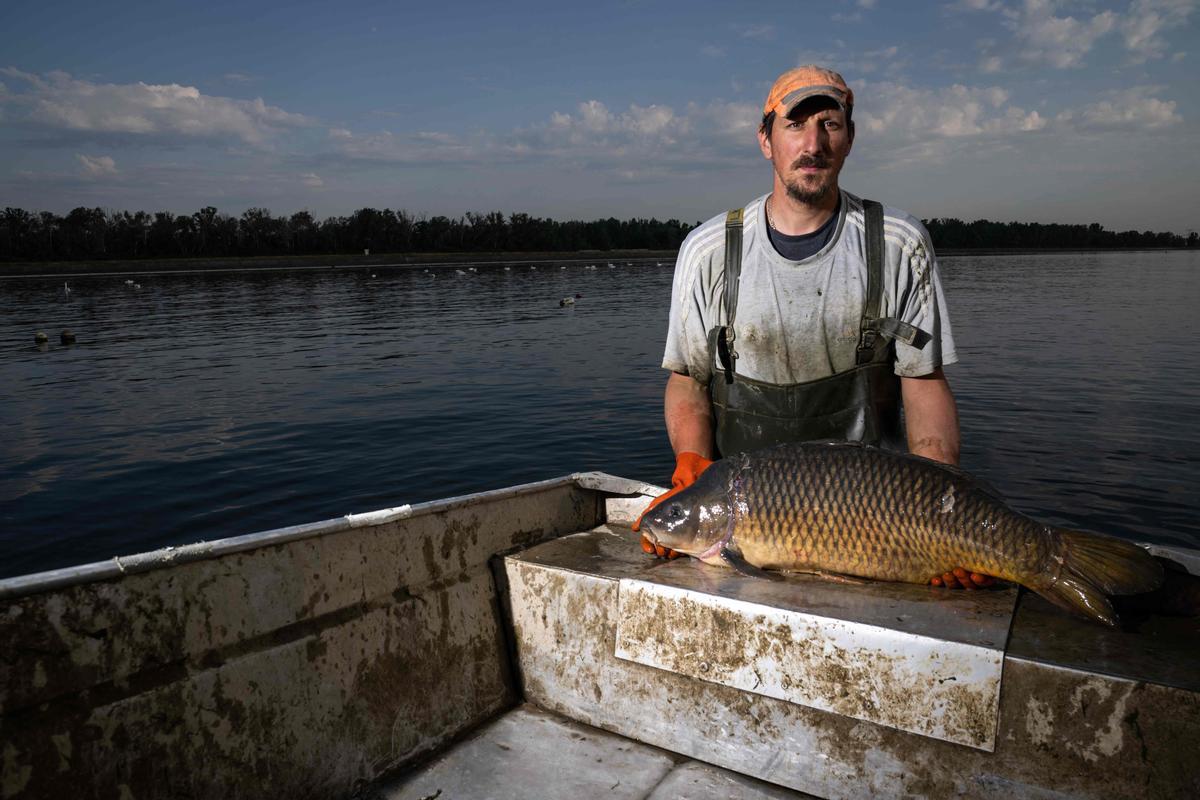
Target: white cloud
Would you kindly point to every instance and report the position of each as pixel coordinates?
(1043, 37)
(57, 101)
(97, 166)
(1147, 19)
(978, 5)
(1132, 109)
(312, 180)
(991, 64)
(1059, 41)
(654, 137)
(847, 18)
(908, 114)
(712, 51)
(755, 31)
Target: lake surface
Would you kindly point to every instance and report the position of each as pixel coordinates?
(198, 406)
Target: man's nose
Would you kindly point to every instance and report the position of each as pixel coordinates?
(814, 139)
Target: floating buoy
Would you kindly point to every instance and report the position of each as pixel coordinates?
(66, 337)
(566, 301)
(41, 338)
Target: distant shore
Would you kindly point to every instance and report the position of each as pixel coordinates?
(30, 269)
(79, 269)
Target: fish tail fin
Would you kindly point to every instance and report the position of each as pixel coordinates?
(1094, 566)
(1115, 566)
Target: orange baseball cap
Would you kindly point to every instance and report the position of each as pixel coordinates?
(803, 82)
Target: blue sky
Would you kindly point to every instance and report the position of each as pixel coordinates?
(1033, 110)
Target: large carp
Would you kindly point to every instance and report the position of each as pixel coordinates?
(847, 509)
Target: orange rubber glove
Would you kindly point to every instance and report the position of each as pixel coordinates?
(688, 466)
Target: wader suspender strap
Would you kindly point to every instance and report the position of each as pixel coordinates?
(733, 274)
(872, 326)
(869, 327)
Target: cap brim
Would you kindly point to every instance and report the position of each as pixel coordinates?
(795, 98)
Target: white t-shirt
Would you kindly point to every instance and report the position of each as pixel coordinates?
(798, 321)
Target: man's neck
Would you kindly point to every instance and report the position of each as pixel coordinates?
(793, 218)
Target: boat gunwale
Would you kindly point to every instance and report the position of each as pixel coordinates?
(118, 566)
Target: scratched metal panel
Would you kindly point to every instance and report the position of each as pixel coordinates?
(932, 687)
(293, 663)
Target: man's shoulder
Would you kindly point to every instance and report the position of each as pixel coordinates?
(703, 239)
(709, 237)
(899, 227)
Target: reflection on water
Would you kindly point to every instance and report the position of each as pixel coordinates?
(198, 407)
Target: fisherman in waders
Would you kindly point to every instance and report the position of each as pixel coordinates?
(810, 313)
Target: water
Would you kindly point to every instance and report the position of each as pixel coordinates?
(204, 406)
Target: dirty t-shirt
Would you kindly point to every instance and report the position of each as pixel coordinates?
(798, 321)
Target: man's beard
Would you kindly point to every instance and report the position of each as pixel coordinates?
(810, 196)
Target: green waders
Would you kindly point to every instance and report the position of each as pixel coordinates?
(861, 404)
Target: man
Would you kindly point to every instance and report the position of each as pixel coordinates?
(809, 314)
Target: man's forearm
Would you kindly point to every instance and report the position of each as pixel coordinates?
(688, 414)
(931, 417)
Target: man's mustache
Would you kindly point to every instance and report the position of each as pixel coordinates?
(819, 162)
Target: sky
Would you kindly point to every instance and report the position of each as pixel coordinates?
(1027, 110)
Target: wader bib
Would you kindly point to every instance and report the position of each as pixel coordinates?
(861, 404)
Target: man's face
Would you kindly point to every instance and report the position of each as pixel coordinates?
(808, 149)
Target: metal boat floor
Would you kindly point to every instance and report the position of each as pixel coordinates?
(529, 754)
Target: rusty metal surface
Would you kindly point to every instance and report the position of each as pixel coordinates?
(1061, 732)
(298, 663)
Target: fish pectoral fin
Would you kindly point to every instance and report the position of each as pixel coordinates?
(832, 577)
(733, 558)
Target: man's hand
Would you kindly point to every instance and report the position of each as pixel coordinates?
(688, 466)
(960, 578)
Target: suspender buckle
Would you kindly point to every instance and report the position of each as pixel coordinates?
(725, 351)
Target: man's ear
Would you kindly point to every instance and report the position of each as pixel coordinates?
(764, 144)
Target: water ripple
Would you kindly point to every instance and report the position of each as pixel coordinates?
(204, 406)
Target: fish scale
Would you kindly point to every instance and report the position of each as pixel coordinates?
(850, 509)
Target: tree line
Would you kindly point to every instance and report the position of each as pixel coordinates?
(954, 234)
(96, 234)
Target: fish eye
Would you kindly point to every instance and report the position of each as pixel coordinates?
(675, 511)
